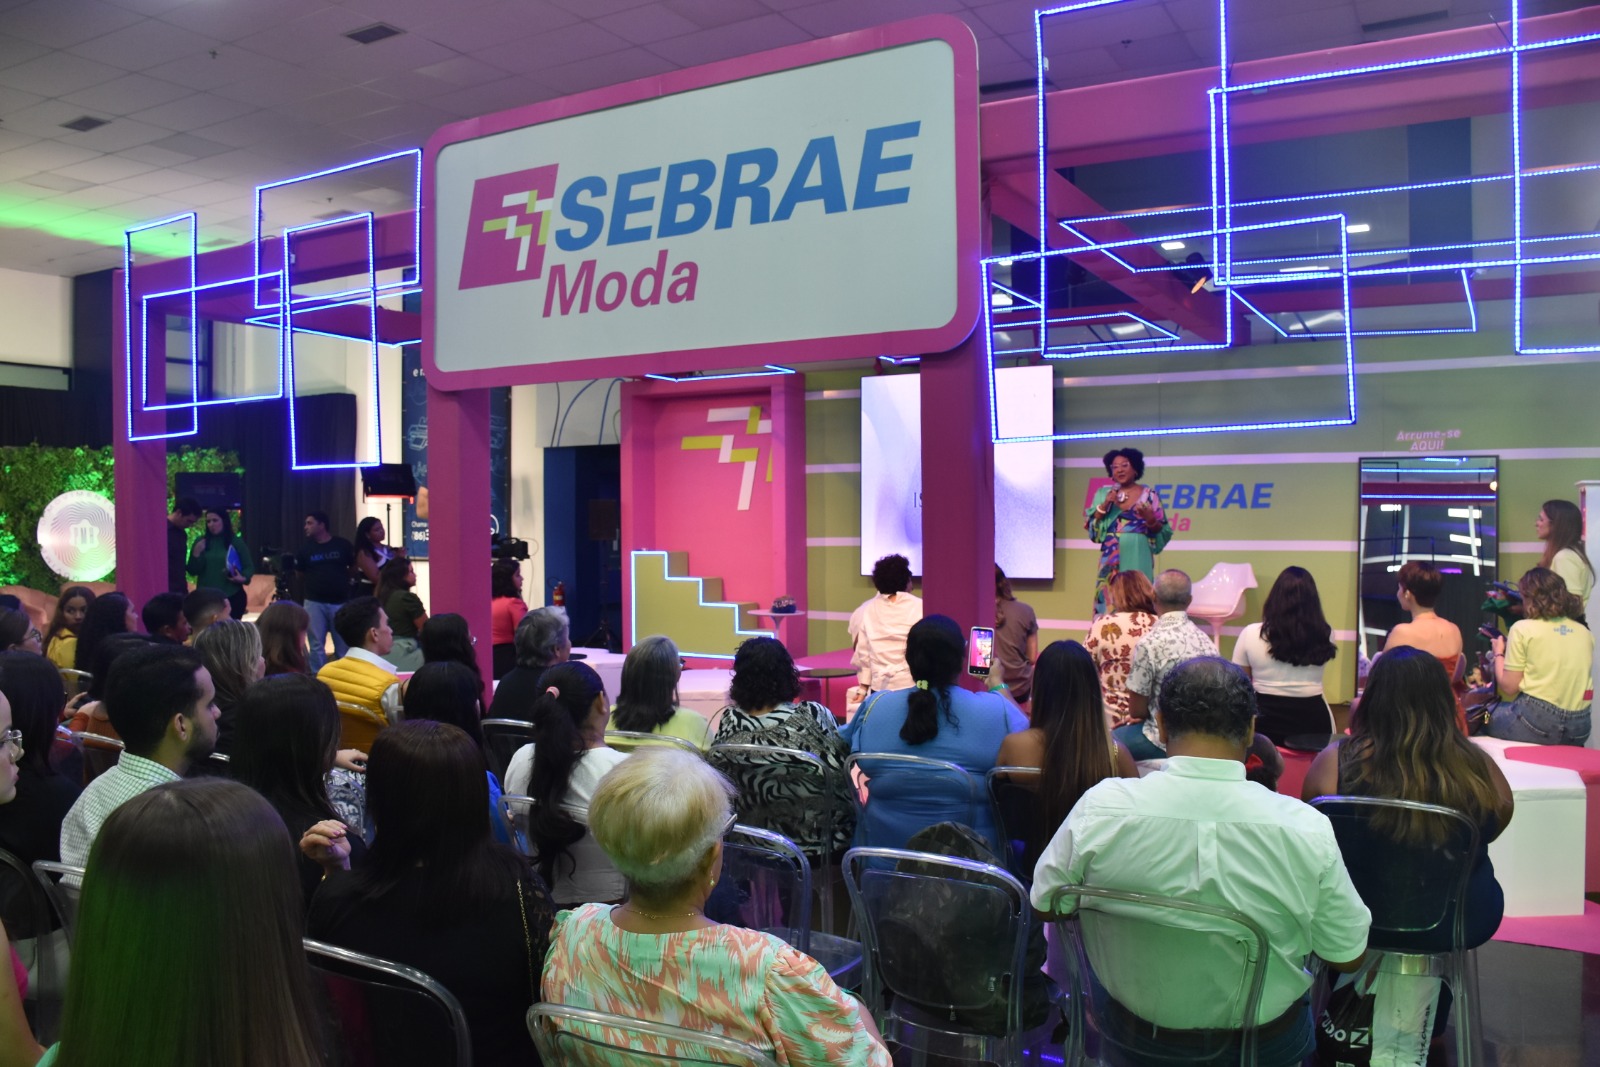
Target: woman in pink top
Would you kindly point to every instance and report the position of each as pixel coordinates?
(505, 611)
(660, 815)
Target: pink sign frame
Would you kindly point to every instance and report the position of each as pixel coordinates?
(944, 28)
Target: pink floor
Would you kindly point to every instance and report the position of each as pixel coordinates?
(1576, 933)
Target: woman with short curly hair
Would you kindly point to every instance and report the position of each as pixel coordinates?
(1543, 671)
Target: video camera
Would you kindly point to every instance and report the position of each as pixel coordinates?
(508, 548)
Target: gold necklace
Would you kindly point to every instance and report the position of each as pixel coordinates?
(692, 914)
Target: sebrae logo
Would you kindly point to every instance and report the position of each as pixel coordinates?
(508, 227)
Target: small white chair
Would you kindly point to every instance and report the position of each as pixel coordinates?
(1219, 596)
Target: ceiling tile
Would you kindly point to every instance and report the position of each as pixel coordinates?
(126, 95)
(584, 41)
(506, 93)
(116, 136)
(206, 71)
(647, 24)
(209, 192)
(619, 67)
(594, 9)
(59, 24)
(97, 197)
(192, 112)
(248, 129)
(46, 155)
(725, 42)
(1010, 16)
(158, 182)
(709, 14)
(185, 145)
(10, 139)
(338, 106)
(56, 183)
(43, 119)
(12, 100)
(58, 74)
(496, 23)
(318, 34)
(147, 43)
(406, 52)
(153, 207)
(240, 163)
(272, 90)
(409, 14)
(238, 18)
(414, 123)
(14, 50)
(408, 85)
(845, 16)
(105, 169)
(149, 7)
(154, 155)
(463, 71)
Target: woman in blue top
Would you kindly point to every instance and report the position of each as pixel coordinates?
(935, 719)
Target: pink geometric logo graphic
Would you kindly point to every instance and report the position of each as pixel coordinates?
(508, 226)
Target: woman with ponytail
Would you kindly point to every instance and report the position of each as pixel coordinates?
(934, 719)
(560, 771)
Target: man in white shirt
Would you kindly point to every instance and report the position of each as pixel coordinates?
(879, 627)
(1199, 831)
(161, 702)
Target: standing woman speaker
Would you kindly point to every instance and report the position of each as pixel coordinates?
(1127, 521)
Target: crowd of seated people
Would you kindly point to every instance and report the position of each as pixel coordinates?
(403, 848)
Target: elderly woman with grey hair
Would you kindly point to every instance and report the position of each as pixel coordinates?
(542, 641)
(661, 815)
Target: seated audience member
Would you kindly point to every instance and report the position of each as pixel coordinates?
(61, 636)
(109, 614)
(1200, 832)
(560, 770)
(542, 642)
(396, 580)
(1284, 655)
(647, 702)
(286, 737)
(283, 625)
(30, 823)
(90, 717)
(1543, 673)
(1172, 640)
(1405, 744)
(447, 639)
(189, 938)
(18, 634)
(1130, 614)
(164, 620)
(1418, 592)
(661, 816)
(505, 611)
(448, 692)
(1016, 639)
(232, 653)
(1066, 739)
(204, 606)
(934, 719)
(765, 710)
(159, 699)
(435, 892)
(878, 628)
(362, 677)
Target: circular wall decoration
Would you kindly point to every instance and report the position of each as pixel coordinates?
(78, 536)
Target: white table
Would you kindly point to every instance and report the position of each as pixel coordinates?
(705, 690)
(1538, 860)
(608, 665)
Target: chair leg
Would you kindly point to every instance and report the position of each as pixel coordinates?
(1464, 989)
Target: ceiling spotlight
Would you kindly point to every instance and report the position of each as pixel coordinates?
(1172, 246)
(1358, 227)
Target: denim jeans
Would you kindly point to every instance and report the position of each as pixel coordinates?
(321, 626)
(1540, 722)
(1138, 745)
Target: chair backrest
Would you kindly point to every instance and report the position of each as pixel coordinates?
(62, 883)
(765, 885)
(1409, 886)
(514, 811)
(768, 777)
(501, 739)
(386, 1013)
(359, 725)
(945, 935)
(26, 912)
(903, 794)
(75, 681)
(1139, 960)
(1014, 792)
(628, 740)
(580, 1037)
(99, 753)
(1222, 588)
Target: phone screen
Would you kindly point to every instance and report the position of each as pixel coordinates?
(980, 650)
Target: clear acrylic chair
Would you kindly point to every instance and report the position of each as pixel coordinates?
(100, 753)
(39, 944)
(765, 776)
(946, 940)
(386, 1014)
(1415, 886)
(1014, 794)
(501, 739)
(62, 883)
(514, 811)
(766, 885)
(1141, 964)
(895, 795)
(75, 682)
(630, 740)
(580, 1037)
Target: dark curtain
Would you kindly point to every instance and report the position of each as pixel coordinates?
(51, 417)
(276, 498)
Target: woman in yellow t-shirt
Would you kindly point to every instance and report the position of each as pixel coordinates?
(1543, 670)
(61, 636)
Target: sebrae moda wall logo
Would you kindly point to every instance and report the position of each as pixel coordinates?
(508, 227)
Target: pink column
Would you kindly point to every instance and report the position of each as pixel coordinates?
(140, 469)
(458, 511)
